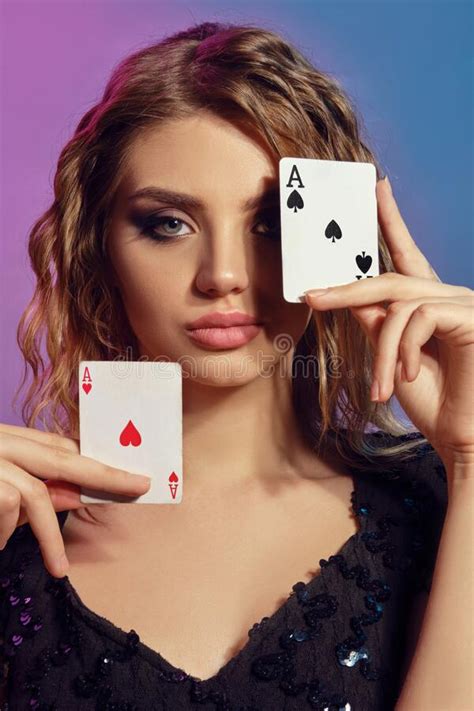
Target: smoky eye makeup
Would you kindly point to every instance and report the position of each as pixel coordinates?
(165, 226)
(162, 226)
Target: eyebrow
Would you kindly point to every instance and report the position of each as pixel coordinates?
(185, 201)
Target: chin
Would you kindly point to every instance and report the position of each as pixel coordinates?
(221, 370)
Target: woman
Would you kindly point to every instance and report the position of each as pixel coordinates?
(148, 231)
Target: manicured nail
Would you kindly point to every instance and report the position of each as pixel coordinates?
(374, 391)
(316, 292)
(141, 478)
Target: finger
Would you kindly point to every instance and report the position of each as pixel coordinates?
(10, 499)
(406, 256)
(388, 349)
(371, 319)
(389, 286)
(50, 438)
(58, 464)
(41, 515)
(447, 322)
(64, 497)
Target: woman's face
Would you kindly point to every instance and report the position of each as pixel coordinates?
(205, 250)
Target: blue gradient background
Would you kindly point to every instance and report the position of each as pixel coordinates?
(407, 66)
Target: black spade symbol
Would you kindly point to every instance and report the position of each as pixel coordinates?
(364, 262)
(295, 201)
(333, 231)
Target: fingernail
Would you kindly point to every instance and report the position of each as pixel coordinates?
(316, 292)
(389, 184)
(374, 391)
(142, 479)
(63, 564)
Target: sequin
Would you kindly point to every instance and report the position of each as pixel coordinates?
(25, 618)
(201, 694)
(320, 699)
(351, 658)
(256, 626)
(363, 510)
(300, 635)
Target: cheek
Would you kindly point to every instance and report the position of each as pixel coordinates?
(152, 312)
(289, 323)
(150, 292)
(266, 268)
(299, 318)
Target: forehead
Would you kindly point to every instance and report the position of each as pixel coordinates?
(203, 155)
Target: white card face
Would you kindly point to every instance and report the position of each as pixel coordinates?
(131, 418)
(328, 213)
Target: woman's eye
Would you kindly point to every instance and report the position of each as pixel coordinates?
(273, 226)
(169, 227)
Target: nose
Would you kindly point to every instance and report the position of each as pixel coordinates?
(223, 263)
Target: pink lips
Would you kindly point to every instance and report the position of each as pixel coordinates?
(222, 330)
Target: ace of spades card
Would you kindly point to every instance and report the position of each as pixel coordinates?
(130, 417)
(328, 213)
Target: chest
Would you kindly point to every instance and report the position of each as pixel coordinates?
(197, 580)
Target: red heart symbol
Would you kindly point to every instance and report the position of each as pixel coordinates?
(130, 435)
(86, 387)
(173, 477)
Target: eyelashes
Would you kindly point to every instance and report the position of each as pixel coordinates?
(150, 225)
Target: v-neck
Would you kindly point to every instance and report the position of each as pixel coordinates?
(267, 623)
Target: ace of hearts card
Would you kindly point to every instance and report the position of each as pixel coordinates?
(328, 213)
(130, 417)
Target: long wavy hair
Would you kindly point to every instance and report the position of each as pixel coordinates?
(239, 72)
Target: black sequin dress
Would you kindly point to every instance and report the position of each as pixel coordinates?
(335, 644)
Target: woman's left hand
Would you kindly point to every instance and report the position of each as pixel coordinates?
(423, 341)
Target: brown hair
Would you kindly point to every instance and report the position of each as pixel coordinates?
(243, 73)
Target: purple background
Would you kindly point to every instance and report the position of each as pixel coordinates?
(407, 66)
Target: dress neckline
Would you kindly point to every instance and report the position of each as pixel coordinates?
(259, 629)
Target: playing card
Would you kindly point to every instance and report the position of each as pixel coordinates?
(328, 215)
(131, 418)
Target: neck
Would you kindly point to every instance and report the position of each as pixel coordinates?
(242, 434)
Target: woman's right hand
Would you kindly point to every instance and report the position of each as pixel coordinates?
(29, 456)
